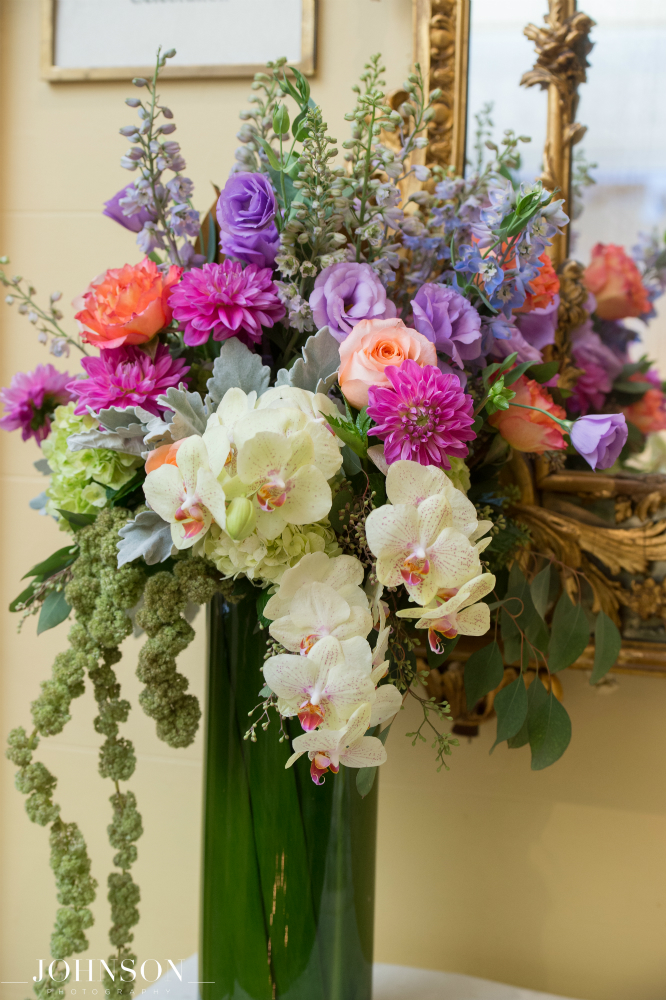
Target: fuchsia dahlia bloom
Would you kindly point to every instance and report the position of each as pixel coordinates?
(227, 301)
(425, 417)
(127, 376)
(30, 400)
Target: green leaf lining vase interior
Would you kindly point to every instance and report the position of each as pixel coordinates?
(288, 876)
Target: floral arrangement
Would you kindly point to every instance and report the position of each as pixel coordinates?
(313, 399)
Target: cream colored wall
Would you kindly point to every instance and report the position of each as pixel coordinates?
(554, 880)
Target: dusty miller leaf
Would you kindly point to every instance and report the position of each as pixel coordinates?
(147, 537)
(236, 367)
(320, 362)
(190, 413)
(131, 445)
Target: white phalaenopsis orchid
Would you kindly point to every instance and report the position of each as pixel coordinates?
(317, 610)
(425, 537)
(326, 685)
(343, 573)
(328, 748)
(189, 494)
(453, 614)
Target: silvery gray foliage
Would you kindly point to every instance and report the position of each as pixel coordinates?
(317, 368)
(114, 419)
(42, 466)
(236, 367)
(190, 413)
(130, 445)
(147, 537)
(39, 502)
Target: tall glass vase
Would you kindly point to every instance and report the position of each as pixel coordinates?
(288, 867)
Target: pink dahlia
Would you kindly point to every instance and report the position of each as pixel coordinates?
(425, 417)
(127, 376)
(227, 301)
(31, 399)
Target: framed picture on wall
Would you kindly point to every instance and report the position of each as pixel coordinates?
(118, 39)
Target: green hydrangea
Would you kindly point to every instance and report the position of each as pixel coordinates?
(79, 478)
(458, 474)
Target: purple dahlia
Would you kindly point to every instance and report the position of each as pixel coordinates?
(126, 376)
(30, 400)
(227, 301)
(425, 416)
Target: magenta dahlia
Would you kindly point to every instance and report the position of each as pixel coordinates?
(227, 301)
(126, 376)
(425, 417)
(30, 400)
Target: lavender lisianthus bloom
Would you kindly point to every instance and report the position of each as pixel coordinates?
(600, 366)
(246, 216)
(346, 293)
(599, 438)
(502, 347)
(449, 321)
(538, 326)
(136, 221)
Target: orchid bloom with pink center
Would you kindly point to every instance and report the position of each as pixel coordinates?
(343, 573)
(188, 494)
(456, 613)
(317, 610)
(329, 748)
(325, 685)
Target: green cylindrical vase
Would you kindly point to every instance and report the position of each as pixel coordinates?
(288, 867)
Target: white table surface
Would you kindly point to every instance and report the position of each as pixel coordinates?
(390, 982)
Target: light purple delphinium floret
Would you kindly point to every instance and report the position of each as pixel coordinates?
(30, 400)
(127, 376)
(425, 417)
(226, 301)
(134, 222)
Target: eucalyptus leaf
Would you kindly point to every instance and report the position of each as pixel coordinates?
(236, 367)
(511, 707)
(437, 659)
(77, 520)
(59, 560)
(483, 673)
(570, 634)
(147, 537)
(607, 645)
(351, 463)
(55, 610)
(549, 729)
(539, 590)
(25, 597)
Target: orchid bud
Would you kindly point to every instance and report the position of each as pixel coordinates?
(240, 518)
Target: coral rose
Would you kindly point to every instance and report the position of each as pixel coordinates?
(372, 346)
(649, 413)
(126, 305)
(616, 283)
(530, 430)
(543, 288)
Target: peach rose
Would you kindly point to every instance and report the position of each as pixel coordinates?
(543, 288)
(530, 430)
(616, 284)
(164, 455)
(126, 305)
(372, 345)
(649, 413)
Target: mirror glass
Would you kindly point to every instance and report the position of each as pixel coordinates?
(622, 106)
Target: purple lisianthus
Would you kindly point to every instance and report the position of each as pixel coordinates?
(425, 416)
(246, 216)
(600, 438)
(30, 400)
(136, 221)
(502, 347)
(127, 376)
(346, 293)
(449, 321)
(538, 326)
(226, 301)
(600, 366)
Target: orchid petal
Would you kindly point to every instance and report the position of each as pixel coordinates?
(388, 702)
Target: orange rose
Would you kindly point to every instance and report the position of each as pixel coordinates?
(164, 455)
(126, 305)
(372, 345)
(616, 284)
(530, 430)
(543, 288)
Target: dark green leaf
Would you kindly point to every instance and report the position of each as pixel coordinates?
(511, 707)
(549, 730)
(529, 619)
(633, 388)
(54, 610)
(365, 776)
(262, 600)
(300, 127)
(270, 153)
(348, 432)
(515, 373)
(59, 560)
(510, 633)
(607, 645)
(520, 739)
(570, 634)
(26, 596)
(129, 487)
(77, 520)
(378, 487)
(339, 515)
(539, 590)
(544, 373)
(499, 367)
(351, 463)
(211, 251)
(483, 673)
(437, 659)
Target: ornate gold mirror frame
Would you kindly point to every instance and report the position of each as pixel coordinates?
(569, 531)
